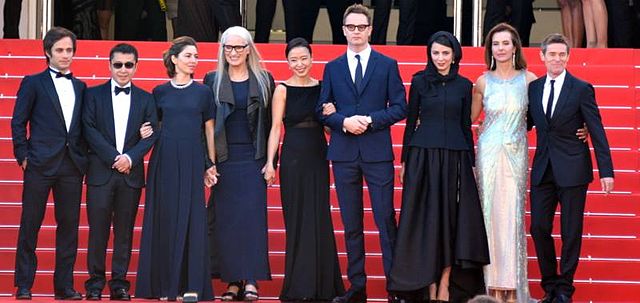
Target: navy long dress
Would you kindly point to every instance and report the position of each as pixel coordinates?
(239, 201)
(174, 251)
(312, 271)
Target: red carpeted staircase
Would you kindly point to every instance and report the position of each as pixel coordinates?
(610, 261)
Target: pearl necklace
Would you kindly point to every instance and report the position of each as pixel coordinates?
(183, 86)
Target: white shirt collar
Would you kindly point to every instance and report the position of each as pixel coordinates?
(559, 79)
(364, 54)
(114, 84)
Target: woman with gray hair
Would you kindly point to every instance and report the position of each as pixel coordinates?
(242, 90)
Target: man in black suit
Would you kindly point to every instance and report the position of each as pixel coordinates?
(112, 114)
(560, 103)
(52, 154)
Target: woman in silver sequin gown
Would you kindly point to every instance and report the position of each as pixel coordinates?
(502, 162)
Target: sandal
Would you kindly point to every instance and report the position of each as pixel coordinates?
(230, 295)
(250, 295)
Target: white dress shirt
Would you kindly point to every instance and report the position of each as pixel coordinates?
(121, 106)
(66, 95)
(557, 87)
(353, 62)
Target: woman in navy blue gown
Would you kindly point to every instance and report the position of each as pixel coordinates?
(174, 254)
(238, 205)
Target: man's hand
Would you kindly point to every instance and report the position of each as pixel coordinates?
(607, 184)
(122, 164)
(328, 109)
(146, 130)
(24, 165)
(355, 124)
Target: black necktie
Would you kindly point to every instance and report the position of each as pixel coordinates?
(119, 89)
(358, 76)
(550, 101)
(60, 75)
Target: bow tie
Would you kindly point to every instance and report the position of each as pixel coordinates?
(119, 89)
(60, 75)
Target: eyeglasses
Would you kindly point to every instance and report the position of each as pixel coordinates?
(238, 48)
(360, 27)
(119, 65)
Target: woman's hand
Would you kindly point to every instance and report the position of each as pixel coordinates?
(146, 130)
(211, 176)
(328, 109)
(269, 173)
(583, 133)
(401, 174)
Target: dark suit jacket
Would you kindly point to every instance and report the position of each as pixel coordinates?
(556, 139)
(99, 132)
(382, 97)
(39, 106)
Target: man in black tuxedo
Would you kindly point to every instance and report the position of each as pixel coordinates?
(112, 114)
(560, 103)
(52, 154)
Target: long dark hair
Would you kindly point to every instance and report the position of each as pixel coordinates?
(519, 62)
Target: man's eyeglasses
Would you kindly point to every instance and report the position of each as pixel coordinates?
(119, 65)
(238, 48)
(360, 27)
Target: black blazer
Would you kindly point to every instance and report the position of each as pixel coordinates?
(39, 106)
(444, 110)
(99, 132)
(556, 139)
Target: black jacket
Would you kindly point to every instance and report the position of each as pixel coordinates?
(444, 111)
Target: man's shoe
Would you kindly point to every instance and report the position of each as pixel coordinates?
(120, 294)
(562, 298)
(23, 293)
(67, 294)
(93, 295)
(352, 296)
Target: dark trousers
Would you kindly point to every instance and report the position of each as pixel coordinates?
(265, 9)
(300, 18)
(412, 31)
(12, 9)
(544, 200)
(382, 10)
(66, 185)
(521, 17)
(114, 202)
(348, 179)
(623, 24)
(139, 20)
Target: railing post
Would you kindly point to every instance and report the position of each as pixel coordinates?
(477, 22)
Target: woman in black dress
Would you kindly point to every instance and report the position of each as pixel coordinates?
(312, 271)
(238, 204)
(173, 249)
(441, 222)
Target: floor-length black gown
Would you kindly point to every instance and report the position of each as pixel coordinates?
(174, 251)
(312, 271)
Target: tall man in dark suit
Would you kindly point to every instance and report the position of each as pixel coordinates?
(113, 112)
(52, 153)
(365, 88)
(560, 103)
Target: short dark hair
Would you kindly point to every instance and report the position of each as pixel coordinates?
(554, 38)
(357, 9)
(520, 62)
(297, 42)
(54, 35)
(124, 48)
(177, 46)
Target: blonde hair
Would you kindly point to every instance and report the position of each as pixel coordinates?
(253, 63)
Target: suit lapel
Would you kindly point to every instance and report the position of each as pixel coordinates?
(371, 66)
(50, 88)
(538, 109)
(107, 110)
(77, 106)
(563, 98)
(344, 61)
(134, 108)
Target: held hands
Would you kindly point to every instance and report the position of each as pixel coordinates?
(269, 173)
(146, 130)
(607, 184)
(583, 133)
(328, 109)
(122, 164)
(211, 176)
(355, 124)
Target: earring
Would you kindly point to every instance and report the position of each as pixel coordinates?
(513, 60)
(493, 63)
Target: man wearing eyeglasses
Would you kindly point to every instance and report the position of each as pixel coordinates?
(362, 96)
(112, 114)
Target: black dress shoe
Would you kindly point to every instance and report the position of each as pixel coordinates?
(120, 294)
(561, 298)
(352, 296)
(94, 295)
(23, 293)
(67, 294)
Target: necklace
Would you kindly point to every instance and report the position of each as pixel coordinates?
(181, 86)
